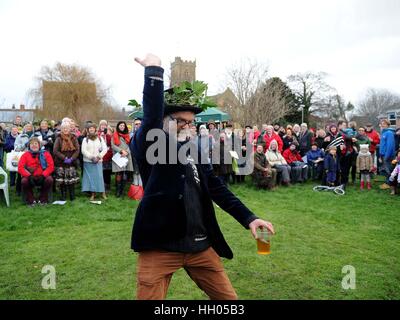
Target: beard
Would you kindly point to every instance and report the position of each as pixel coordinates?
(183, 135)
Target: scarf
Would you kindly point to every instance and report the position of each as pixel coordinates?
(92, 136)
(66, 142)
(117, 140)
(42, 158)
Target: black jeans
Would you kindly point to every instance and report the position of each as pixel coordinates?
(345, 165)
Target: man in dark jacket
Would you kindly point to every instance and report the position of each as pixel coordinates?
(46, 136)
(305, 139)
(175, 224)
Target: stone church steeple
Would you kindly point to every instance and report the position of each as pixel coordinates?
(182, 70)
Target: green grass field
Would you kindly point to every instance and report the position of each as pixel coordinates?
(317, 234)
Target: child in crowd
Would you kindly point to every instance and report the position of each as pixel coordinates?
(331, 166)
(394, 178)
(365, 165)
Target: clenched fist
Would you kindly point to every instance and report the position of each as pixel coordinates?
(149, 60)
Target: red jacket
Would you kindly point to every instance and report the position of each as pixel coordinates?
(276, 137)
(374, 136)
(291, 156)
(28, 160)
(109, 154)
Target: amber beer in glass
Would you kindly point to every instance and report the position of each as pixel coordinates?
(263, 241)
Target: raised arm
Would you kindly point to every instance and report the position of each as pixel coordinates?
(153, 103)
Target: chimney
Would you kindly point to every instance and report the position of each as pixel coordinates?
(22, 107)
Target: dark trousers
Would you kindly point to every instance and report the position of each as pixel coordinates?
(107, 176)
(386, 168)
(353, 166)
(13, 176)
(225, 178)
(1, 156)
(316, 171)
(345, 165)
(45, 188)
(18, 184)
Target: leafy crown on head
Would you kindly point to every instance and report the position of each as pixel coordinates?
(189, 94)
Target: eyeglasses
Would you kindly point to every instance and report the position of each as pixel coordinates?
(181, 122)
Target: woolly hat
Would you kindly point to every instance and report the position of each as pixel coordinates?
(333, 126)
(87, 124)
(364, 147)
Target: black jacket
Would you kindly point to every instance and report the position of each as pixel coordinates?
(305, 142)
(161, 215)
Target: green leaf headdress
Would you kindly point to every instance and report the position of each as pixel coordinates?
(188, 96)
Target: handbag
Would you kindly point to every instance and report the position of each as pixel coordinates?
(13, 159)
(135, 192)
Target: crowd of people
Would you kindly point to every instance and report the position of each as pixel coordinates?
(56, 156)
(335, 155)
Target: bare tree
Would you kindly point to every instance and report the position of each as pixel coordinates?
(334, 108)
(243, 79)
(376, 102)
(311, 91)
(268, 104)
(260, 100)
(72, 91)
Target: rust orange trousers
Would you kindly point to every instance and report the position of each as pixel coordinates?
(155, 269)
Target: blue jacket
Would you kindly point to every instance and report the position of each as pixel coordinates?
(387, 145)
(161, 215)
(9, 145)
(331, 164)
(314, 155)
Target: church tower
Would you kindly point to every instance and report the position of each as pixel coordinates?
(182, 70)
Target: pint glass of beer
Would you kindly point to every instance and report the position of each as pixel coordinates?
(263, 241)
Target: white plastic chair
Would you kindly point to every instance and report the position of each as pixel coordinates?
(4, 186)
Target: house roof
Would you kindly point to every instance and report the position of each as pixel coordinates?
(8, 115)
(385, 115)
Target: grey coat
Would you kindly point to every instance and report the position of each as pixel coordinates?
(116, 149)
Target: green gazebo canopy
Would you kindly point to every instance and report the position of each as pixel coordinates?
(212, 114)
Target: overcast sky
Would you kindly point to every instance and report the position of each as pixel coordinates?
(357, 42)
